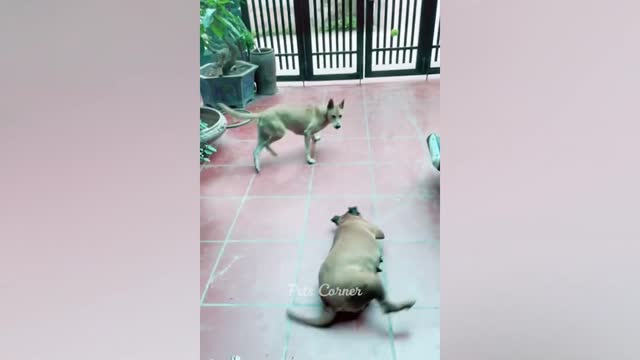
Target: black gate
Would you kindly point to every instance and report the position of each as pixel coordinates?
(347, 39)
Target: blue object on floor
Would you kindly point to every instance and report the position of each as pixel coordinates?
(433, 141)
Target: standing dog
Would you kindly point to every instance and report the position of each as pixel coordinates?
(349, 278)
(303, 120)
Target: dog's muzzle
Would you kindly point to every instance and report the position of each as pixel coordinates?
(337, 126)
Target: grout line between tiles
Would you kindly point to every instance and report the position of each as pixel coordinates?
(339, 138)
(413, 195)
(321, 164)
(374, 198)
(224, 244)
(284, 306)
(265, 241)
(257, 305)
(272, 241)
(307, 206)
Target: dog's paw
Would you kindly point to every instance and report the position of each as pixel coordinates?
(409, 304)
(311, 161)
(317, 138)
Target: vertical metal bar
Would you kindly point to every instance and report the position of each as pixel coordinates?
(244, 12)
(368, 54)
(290, 35)
(384, 33)
(303, 28)
(344, 41)
(264, 28)
(406, 33)
(273, 44)
(438, 43)
(413, 27)
(425, 41)
(330, 42)
(315, 27)
(284, 40)
(360, 36)
(350, 30)
(393, 18)
(255, 22)
(324, 45)
(399, 27)
(378, 30)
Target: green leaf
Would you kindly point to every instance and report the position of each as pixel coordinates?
(218, 30)
(208, 17)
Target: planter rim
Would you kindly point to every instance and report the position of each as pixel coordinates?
(215, 131)
(251, 67)
(218, 112)
(263, 51)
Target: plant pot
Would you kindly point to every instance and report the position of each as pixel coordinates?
(235, 89)
(266, 80)
(217, 125)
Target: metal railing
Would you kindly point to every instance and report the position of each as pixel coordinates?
(315, 39)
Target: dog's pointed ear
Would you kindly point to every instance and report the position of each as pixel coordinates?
(341, 105)
(353, 210)
(335, 219)
(331, 104)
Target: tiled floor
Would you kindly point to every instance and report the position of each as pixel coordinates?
(263, 234)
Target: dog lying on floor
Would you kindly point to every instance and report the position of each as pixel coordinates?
(301, 120)
(349, 274)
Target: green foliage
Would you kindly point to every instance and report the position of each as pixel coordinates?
(348, 23)
(205, 150)
(219, 26)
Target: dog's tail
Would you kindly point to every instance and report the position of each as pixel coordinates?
(239, 114)
(325, 319)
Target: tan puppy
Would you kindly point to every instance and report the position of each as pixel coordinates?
(349, 277)
(301, 120)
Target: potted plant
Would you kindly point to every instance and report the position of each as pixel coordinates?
(224, 40)
(206, 150)
(212, 125)
(205, 153)
(266, 80)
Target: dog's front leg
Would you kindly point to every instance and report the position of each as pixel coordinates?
(307, 147)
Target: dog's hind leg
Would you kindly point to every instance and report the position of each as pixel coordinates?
(263, 142)
(277, 135)
(268, 147)
(256, 155)
(389, 306)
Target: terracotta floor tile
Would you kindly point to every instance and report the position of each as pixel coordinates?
(216, 216)
(280, 219)
(413, 272)
(321, 210)
(364, 337)
(250, 333)
(208, 256)
(225, 181)
(417, 336)
(408, 219)
(254, 273)
(282, 179)
(342, 180)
